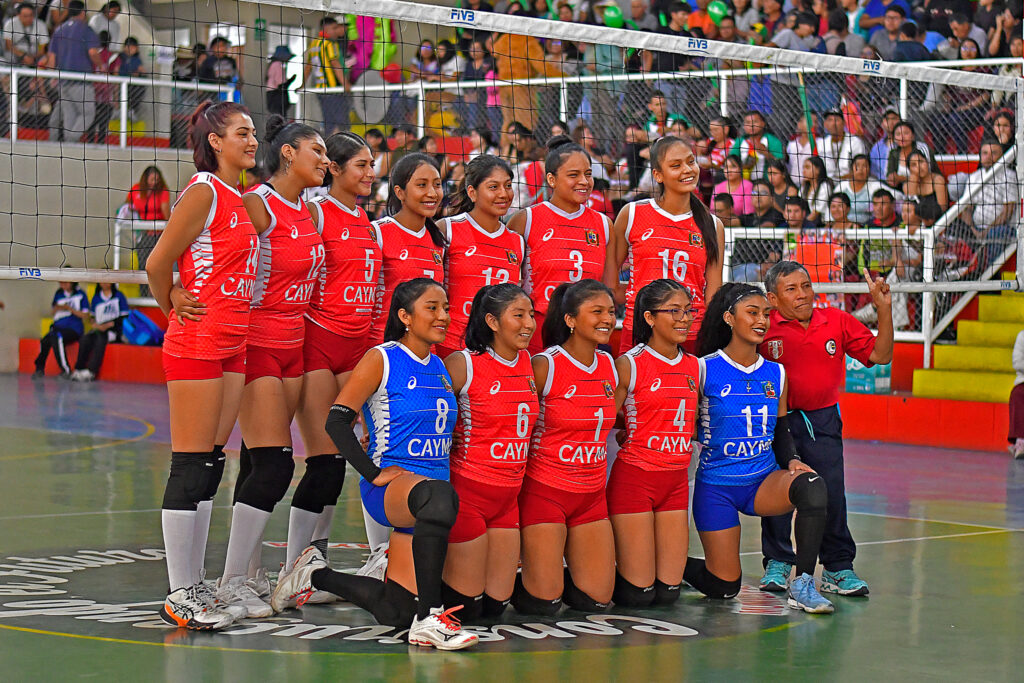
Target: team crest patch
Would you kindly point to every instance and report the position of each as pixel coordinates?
(690, 382)
(830, 347)
(513, 257)
(769, 390)
(696, 239)
(533, 386)
(775, 349)
(437, 257)
(446, 383)
(591, 238)
(608, 390)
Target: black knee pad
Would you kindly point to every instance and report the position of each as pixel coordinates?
(575, 598)
(190, 478)
(665, 594)
(435, 505)
(629, 595)
(244, 470)
(217, 458)
(809, 494)
(524, 603)
(272, 469)
(321, 484)
(472, 607)
(491, 608)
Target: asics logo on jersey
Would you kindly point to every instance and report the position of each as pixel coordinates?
(344, 234)
(404, 254)
(656, 384)
(234, 220)
(495, 388)
(295, 232)
(726, 390)
(647, 235)
(548, 235)
(412, 383)
(571, 392)
(471, 250)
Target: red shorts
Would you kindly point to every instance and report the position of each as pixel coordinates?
(176, 367)
(482, 507)
(543, 504)
(631, 489)
(263, 361)
(326, 350)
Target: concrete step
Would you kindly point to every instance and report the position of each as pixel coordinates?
(989, 334)
(986, 359)
(989, 387)
(1000, 309)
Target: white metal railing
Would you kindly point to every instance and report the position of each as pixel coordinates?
(129, 226)
(122, 83)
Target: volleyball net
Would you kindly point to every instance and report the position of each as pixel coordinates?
(910, 171)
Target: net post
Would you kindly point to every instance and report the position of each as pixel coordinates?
(723, 94)
(1020, 179)
(123, 133)
(904, 99)
(298, 104)
(14, 105)
(421, 112)
(117, 244)
(928, 297)
(563, 102)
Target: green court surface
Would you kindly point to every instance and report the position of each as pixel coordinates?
(81, 577)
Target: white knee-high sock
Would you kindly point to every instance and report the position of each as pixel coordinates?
(376, 534)
(200, 534)
(247, 526)
(178, 528)
(301, 524)
(323, 524)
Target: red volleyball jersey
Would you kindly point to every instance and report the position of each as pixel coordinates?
(562, 247)
(291, 258)
(476, 258)
(404, 255)
(577, 411)
(661, 410)
(219, 269)
(347, 288)
(498, 407)
(662, 245)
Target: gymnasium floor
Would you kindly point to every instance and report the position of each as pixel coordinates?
(81, 577)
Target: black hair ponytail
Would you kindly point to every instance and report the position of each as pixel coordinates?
(701, 214)
(278, 133)
(477, 171)
(489, 300)
(715, 333)
(560, 148)
(567, 299)
(651, 296)
(342, 148)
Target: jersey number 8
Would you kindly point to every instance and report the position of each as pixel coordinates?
(442, 416)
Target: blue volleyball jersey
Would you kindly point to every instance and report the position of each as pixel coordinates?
(77, 300)
(738, 410)
(411, 416)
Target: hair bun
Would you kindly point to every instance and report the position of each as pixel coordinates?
(201, 110)
(275, 123)
(559, 140)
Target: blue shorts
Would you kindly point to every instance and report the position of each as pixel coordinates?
(716, 506)
(373, 501)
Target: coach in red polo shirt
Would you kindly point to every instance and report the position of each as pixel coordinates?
(812, 344)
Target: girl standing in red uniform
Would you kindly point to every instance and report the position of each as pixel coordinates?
(562, 505)
(412, 245)
(672, 237)
(337, 331)
(565, 240)
(291, 258)
(211, 239)
(648, 491)
(481, 251)
(493, 380)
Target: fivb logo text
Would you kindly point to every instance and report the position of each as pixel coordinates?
(697, 44)
(872, 65)
(463, 17)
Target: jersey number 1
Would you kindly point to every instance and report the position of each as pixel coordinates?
(763, 412)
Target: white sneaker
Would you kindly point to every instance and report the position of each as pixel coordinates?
(186, 608)
(261, 584)
(441, 630)
(295, 589)
(376, 566)
(236, 593)
(316, 597)
(206, 591)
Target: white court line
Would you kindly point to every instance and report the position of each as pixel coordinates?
(934, 521)
(920, 538)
